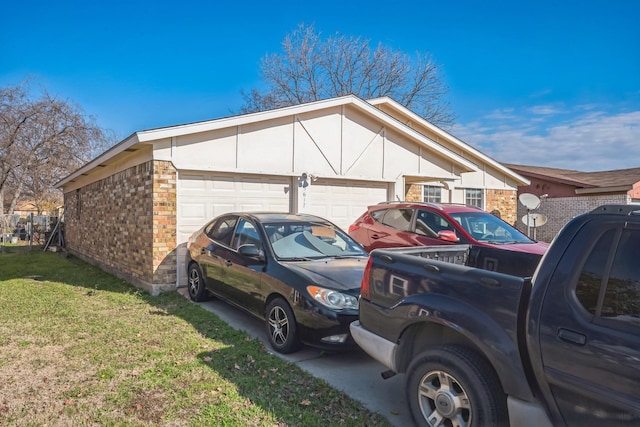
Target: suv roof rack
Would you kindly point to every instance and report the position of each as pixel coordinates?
(434, 205)
(411, 202)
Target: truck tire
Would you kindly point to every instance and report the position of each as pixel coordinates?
(454, 386)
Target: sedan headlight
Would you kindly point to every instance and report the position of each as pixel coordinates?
(333, 299)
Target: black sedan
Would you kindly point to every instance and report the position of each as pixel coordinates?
(299, 273)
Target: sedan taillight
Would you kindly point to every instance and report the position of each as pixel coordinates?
(353, 227)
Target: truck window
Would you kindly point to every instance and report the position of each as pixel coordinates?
(621, 297)
(622, 294)
(590, 280)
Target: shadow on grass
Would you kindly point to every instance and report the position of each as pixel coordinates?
(280, 388)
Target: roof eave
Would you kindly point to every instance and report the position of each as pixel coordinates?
(446, 135)
(121, 147)
(616, 189)
(205, 126)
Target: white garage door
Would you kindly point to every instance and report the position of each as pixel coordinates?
(203, 196)
(341, 201)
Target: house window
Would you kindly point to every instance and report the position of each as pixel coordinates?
(432, 193)
(474, 197)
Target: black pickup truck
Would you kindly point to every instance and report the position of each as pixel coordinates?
(484, 348)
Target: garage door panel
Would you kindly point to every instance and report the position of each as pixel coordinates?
(343, 201)
(203, 196)
(193, 212)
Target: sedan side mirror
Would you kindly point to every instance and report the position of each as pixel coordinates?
(448, 236)
(251, 251)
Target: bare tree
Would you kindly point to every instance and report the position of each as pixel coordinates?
(311, 69)
(41, 141)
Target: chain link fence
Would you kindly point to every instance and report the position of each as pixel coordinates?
(31, 230)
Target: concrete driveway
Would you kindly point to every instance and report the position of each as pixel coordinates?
(354, 373)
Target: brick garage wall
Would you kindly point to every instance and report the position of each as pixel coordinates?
(504, 201)
(165, 221)
(413, 192)
(561, 209)
(126, 224)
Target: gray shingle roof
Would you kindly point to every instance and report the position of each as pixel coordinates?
(602, 179)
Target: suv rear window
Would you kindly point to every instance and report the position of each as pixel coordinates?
(399, 219)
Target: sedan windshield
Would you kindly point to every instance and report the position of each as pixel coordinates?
(310, 240)
(485, 227)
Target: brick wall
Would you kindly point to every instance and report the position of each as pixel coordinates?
(165, 222)
(126, 224)
(561, 209)
(413, 193)
(504, 201)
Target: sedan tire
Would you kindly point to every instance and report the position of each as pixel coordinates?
(282, 330)
(195, 283)
(452, 385)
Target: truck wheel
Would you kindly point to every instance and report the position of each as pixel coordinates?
(453, 386)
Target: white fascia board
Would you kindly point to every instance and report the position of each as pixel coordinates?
(121, 147)
(446, 135)
(209, 125)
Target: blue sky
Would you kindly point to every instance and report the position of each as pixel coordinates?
(546, 83)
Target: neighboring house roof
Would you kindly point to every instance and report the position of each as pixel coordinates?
(585, 182)
(457, 158)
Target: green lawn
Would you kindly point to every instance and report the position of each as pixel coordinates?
(81, 347)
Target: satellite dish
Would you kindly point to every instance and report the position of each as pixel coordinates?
(530, 201)
(534, 220)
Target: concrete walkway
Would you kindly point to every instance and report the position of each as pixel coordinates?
(354, 373)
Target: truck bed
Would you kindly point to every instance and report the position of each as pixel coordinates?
(521, 264)
(427, 276)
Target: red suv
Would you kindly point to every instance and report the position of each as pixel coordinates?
(395, 224)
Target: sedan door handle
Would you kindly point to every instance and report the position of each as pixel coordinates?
(572, 337)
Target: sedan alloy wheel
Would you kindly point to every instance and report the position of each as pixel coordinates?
(281, 325)
(195, 283)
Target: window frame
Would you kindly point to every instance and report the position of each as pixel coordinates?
(409, 222)
(470, 198)
(235, 240)
(211, 230)
(429, 198)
